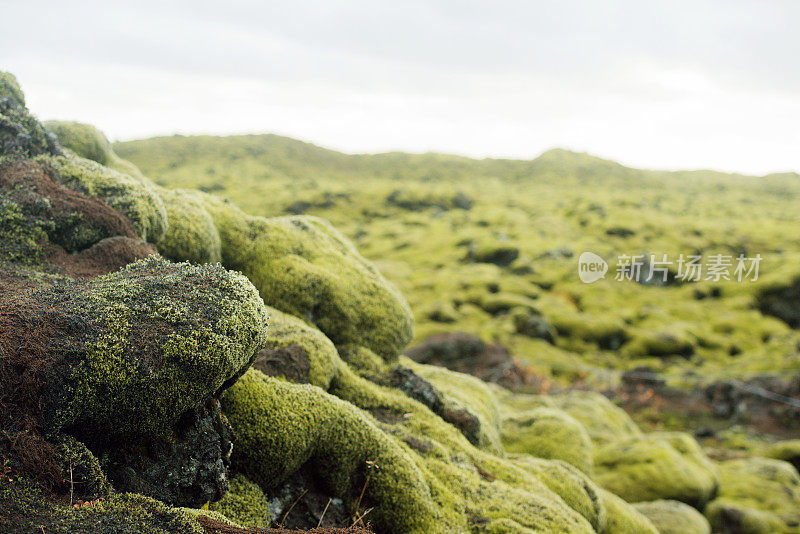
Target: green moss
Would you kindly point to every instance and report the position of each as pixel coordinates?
(572, 485)
(756, 495)
(548, 433)
(83, 139)
(21, 235)
(664, 342)
(202, 324)
(9, 88)
(666, 465)
(622, 518)
(673, 517)
(464, 392)
(191, 234)
(26, 509)
(303, 266)
(244, 503)
(281, 427)
(81, 467)
(602, 419)
(133, 196)
(286, 330)
(787, 450)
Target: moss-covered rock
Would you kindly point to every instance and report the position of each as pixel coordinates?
(673, 517)
(9, 88)
(82, 471)
(191, 234)
(282, 426)
(623, 518)
(21, 135)
(787, 450)
(143, 345)
(569, 483)
(244, 503)
(603, 420)
(756, 496)
(657, 466)
(303, 266)
(135, 197)
(548, 433)
(84, 139)
(26, 509)
(313, 360)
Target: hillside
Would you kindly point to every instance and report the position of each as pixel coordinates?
(491, 246)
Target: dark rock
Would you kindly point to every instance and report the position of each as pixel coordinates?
(289, 362)
(643, 377)
(189, 471)
(467, 353)
(421, 390)
(500, 255)
(535, 326)
(782, 302)
(300, 502)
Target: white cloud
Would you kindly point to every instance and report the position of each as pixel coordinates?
(658, 84)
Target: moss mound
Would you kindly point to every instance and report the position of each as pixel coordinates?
(673, 517)
(623, 518)
(191, 234)
(756, 495)
(84, 139)
(244, 503)
(656, 466)
(602, 419)
(303, 266)
(548, 433)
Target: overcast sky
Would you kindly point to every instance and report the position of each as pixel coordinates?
(658, 84)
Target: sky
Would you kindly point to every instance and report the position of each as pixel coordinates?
(658, 84)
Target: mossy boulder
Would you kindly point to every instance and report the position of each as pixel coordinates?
(296, 351)
(244, 503)
(133, 196)
(667, 465)
(26, 509)
(569, 483)
(674, 517)
(663, 342)
(787, 450)
(548, 433)
(603, 420)
(84, 139)
(191, 234)
(303, 266)
(756, 496)
(282, 426)
(141, 346)
(623, 518)
(21, 135)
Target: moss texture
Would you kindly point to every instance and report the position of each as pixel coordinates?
(191, 234)
(756, 495)
(548, 433)
(26, 509)
(203, 325)
(134, 197)
(623, 518)
(674, 517)
(303, 266)
(244, 503)
(602, 419)
(657, 466)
